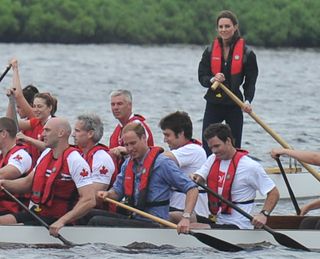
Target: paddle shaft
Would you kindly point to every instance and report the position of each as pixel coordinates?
(41, 221)
(264, 126)
(12, 100)
(292, 196)
(204, 238)
(5, 72)
(281, 238)
(142, 213)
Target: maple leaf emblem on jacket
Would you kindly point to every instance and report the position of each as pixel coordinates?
(84, 173)
(103, 170)
(18, 158)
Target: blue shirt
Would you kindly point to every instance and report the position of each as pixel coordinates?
(165, 175)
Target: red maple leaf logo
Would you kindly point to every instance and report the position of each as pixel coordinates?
(103, 170)
(84, 173)
(18, 157)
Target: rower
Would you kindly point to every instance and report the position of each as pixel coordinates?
(61, 184)
(189, 155)
(121, 106)
(88, 131)
(15, 162)
(237, 177)
(145, 181)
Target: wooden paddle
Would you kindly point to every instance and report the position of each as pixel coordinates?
(40, 220)
(12, 101)
(263, 125)
(279, 237)
(5, 72)
(292, 196)
(216, 243)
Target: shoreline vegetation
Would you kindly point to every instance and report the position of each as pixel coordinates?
(272, 23)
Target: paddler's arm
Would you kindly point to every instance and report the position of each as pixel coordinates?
(310, 206)
(21, 100)
(19, 186)
(85, 203)
(40, 145)
(271, 201)
(191, 199)
(309, 157)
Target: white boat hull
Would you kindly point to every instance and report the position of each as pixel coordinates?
(127, 236)
(303, 185)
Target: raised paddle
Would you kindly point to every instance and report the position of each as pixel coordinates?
(12, 101)
(293, 198)
(40, 220)
(263, 125)
(279, 237)
(5, 72)
(216, 243)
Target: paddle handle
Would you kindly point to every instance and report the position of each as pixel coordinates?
(5, 72)
(273, 134)
(42, 222)
(292, 196)
(142, 213)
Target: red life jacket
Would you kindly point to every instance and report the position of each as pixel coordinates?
(115, 138)
(53, 195)
(6, 203)
(237, 57)
(194, 141)
(129, 177)
(213, 180)
(89, 156)
(36, 133)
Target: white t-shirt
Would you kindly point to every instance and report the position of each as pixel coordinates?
(21, 160)
(190, 158)
(249, 178)
(79, 169)
(102, 167)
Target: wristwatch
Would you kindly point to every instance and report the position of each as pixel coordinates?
(186, 215)
(265, 212)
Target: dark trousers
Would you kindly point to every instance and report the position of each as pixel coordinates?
(107, 219)
(217, 113)
(27, 219)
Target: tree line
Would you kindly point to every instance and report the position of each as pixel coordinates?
(271, 23)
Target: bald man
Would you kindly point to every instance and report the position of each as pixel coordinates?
(61, 185)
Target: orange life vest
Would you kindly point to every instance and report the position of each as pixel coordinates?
(146, 174)
(213, 181)
(54, 195)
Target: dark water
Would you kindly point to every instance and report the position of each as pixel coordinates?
(163, 79)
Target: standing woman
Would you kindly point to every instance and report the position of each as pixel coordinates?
(229, 61)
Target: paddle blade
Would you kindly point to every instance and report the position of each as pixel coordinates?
(216, 243)
(288, 241)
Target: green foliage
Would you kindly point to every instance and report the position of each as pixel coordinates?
(269, 23)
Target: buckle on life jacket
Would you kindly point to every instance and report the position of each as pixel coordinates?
(213, 218)
(36, 208)
(218, 95)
